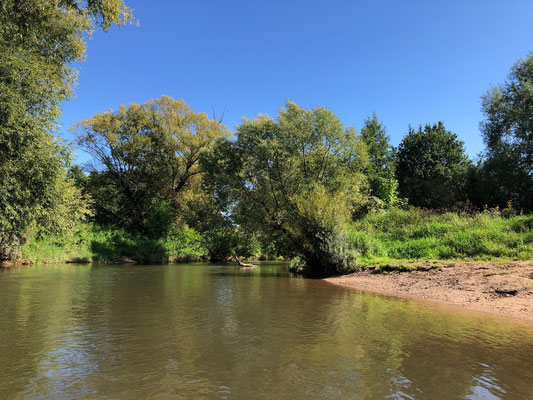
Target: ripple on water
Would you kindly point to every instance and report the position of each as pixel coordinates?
(204, 331)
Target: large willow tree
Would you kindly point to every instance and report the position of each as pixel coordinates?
(148, 157)
(39, 41)
(297, 177)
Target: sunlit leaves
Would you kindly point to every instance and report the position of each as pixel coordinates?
(39, 41)
(297, 176)
(150, 151)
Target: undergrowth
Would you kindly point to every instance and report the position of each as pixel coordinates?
(421, 235)
(91, 243)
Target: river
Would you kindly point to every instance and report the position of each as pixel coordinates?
(202, 331)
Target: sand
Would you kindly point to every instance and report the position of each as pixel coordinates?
(503, 288)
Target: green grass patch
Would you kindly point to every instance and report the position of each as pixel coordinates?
(420, 235)
(91, 243)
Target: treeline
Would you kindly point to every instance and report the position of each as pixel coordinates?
(291, 185)
(165, 178)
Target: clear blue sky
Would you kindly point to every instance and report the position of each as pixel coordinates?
(410, 61)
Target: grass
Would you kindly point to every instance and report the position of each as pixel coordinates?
(390, 240)
(398, 236)
(97, 244)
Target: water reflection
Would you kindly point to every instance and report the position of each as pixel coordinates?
(204, 331)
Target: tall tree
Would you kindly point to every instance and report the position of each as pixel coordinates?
(39, 41)
(381, 179)
(508, 134)
(432, 167)
(148, 154)
(298, 177)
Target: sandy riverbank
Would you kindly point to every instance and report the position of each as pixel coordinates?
(504, 288)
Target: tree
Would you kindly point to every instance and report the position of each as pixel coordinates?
(508, 134)
(381, 179)
(298, 177)
(39, 40)
(149, 154)
(432, 167)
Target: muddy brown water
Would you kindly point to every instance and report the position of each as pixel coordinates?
(220, 332)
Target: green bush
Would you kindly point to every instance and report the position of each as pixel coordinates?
(185, 245)
(225, 243)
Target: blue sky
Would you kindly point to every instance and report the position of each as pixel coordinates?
(409, 61)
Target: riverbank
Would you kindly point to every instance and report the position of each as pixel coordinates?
(110, 245)
(416, 234)
(504, 288)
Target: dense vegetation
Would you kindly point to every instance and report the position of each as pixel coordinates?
(293, 179)
(416, 234)
(39, 40)
(168, 183)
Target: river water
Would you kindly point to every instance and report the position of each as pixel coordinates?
(220, 332)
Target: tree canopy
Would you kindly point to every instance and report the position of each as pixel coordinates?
(39, 41)
(432, 167)
(297, 176)
(382, 182)
(508, 134)
(148, 153)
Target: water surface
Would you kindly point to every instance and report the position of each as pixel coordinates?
(220, 332)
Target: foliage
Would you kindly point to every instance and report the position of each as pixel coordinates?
(319, 230)
(225, 244)
(74, 246)
(379, 237)
(415, 234)
(107, 202)
(297, 176)
(159, 219)
(508, 134)
(77, 176)
(386, 189)
(31, 177)
(484, 181)
(110, 244)
(149, 154)
(39, 40)
(185, 245)
(203, 214)
(290, 186)
(432, 167)
(381, 179)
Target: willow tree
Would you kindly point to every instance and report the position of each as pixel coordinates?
(149, 155)
(297, 176)
(39, 41)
